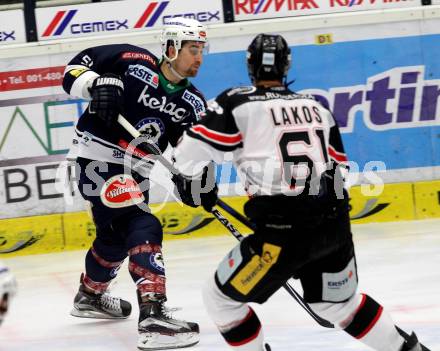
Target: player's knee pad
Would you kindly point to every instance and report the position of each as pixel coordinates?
(237, 322)
(339, 313)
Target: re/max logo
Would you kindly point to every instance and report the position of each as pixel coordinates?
(63, 19)
(262, 6)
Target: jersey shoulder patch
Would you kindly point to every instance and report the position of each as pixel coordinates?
(139, 54)
(233, 97)
(196, 99)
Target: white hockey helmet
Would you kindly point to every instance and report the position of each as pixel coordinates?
(179, 29)
(8, 288)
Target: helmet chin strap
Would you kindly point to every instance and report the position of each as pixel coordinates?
(174, 72)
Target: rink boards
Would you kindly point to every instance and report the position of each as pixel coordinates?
(73, 231)
(384, 91)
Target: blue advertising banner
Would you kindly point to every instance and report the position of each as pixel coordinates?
(383, 92)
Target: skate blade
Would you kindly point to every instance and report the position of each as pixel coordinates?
(93, 314)
(157, 341)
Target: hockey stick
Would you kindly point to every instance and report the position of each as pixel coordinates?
(155, 154)
(228, 225)
(238, 216)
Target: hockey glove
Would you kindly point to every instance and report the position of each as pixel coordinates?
(196, 192)
(107, 99)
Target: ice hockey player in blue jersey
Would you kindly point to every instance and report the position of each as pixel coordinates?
(289, 153)
(156, 97)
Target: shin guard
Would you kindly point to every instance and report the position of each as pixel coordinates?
(100, 271)
(147, 269)
(373, 326)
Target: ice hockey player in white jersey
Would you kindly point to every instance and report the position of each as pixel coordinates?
(288, 151)
(8, 288)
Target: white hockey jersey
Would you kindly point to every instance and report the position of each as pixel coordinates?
(281, 141)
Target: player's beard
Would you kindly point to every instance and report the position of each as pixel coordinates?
(192, 71)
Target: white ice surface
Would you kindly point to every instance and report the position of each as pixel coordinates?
(398, 263)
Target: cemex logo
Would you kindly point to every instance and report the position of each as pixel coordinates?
(62, 20)
(151, 14)
(4, 36)
(203, 16)
(155, 9)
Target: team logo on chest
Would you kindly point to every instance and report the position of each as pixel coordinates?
(152, 128)
(163, 105)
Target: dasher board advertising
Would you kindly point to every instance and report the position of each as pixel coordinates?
(382, 86)
(12, 28)
(259, 9)
(132, 15)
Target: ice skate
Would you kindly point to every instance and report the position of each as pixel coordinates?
(100, 306)
(159, 331)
